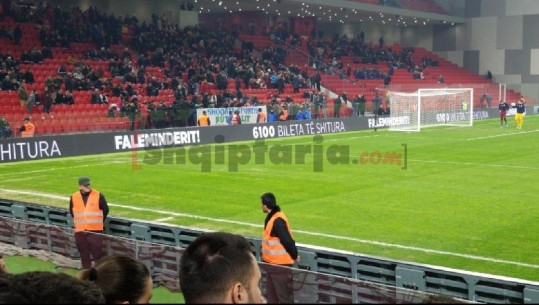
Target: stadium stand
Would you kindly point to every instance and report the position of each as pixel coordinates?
(80, 55)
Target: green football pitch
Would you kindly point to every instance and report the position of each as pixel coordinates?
(461, 198)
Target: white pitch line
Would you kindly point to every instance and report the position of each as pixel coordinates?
(62, 168)
(502, 135)
(475, 164)
(338, 237)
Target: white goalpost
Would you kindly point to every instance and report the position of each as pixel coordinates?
(431, 107)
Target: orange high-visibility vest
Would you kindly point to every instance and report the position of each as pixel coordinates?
(87, 217)
(204, 120)
(284, 115)
(29, 130)
(273, 251)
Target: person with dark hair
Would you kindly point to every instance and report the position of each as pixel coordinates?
(27, 129)
(261, 116)
(278, 248)
(220, 267)
(43, 287)
(204, 119)
(5, 129)
(236, 118)
(89, 209)
(489, 75)
(122, 278)
(22, 92)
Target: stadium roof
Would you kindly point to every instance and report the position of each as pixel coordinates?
(329, 11)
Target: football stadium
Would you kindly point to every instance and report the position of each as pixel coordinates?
(398, 137)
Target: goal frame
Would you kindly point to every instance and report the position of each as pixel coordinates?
(418, 123)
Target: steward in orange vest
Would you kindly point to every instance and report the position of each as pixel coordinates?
(279, 249)
(261, 117)
(204, 120)
(27, 129)
(283, 115)
(278, 245)
(89, 209)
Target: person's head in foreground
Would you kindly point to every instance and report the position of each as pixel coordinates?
(122, 278)
(220, 267)
(44, 287)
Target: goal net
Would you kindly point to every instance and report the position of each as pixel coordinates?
(430, 107)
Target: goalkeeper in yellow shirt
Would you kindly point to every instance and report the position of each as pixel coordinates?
(519, 116)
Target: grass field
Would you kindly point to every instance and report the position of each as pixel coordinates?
(466, 200)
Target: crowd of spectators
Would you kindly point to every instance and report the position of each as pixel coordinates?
(196, 64)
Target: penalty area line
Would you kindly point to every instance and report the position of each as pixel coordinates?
(338, 237)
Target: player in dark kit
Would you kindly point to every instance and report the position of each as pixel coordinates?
(503, 107)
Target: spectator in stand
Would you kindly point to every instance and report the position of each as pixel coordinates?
(488, 98)
(387, 80)
(62, 70)
(69, 82)
(324, 105)
(485, 100)
(5, 129)
(69, 98)
(316, 105)
(382, 110)
(113, 109)
(376, 102)
(28, 77)
(30, 102)
(283, 114)
(122, 278)
(48, 100)
(362, 104)
(296, 82)
(132, 111)
(337, 103)
(98, 98)
(441, 79)
(355, 106)
(272, 116)
(23, 94)
(489, 75)
(306, 110)
(17, 35)
(229, 118)
(60, 97)
(236, 118)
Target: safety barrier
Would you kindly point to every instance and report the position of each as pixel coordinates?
(335, 276)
